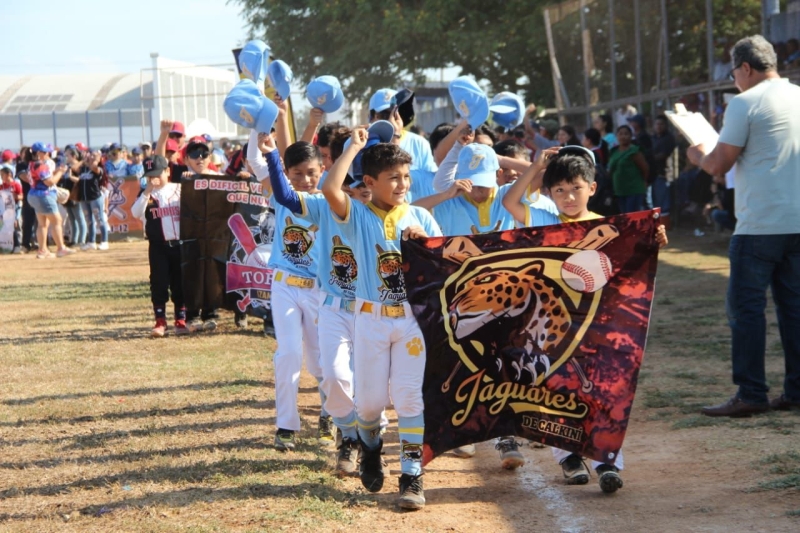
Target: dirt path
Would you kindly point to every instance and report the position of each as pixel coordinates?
(103, 429)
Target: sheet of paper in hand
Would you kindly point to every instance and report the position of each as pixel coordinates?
(693, 126)
(535, 332)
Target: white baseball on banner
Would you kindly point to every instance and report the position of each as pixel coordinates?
(587, 270)
(259, 257)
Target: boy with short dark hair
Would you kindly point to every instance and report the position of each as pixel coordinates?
(337, 273)
(294, 261)
(569, 177)
(159, 206)
(513, 150)
(389, 350)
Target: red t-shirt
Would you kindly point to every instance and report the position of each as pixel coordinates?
(15, 187)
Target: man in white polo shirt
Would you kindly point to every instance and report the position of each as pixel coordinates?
(761, 136)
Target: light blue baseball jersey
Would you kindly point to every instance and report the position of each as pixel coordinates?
(421, 184)
(461, 216)
(294, 249)
(337, 269)
(375, 236)
(539, 201)
(535, 217)
(420, 150)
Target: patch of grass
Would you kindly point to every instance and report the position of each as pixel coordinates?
(780, 424)
(784, 464)
(661, 414)
(697, 421)
(786, 482)
(794, 513)
(696, 378)
(75, 291)
(656, 398)
(780, 458)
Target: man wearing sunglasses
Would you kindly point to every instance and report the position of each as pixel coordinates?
(760, 135)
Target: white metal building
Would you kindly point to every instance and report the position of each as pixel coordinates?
(102, 108)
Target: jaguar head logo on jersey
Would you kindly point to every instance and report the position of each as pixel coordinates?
(345, 270)
(390, 270)
(297, 242)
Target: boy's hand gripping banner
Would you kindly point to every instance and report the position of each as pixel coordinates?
(536, 332)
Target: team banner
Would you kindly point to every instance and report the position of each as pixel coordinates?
(535, 332)
(121, 222)
(227, 231)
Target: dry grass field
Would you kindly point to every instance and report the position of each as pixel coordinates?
(105, 429)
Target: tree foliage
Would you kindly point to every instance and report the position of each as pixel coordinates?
(374, 44)
(387, 43)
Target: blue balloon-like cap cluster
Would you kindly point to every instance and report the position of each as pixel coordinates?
(247, 106)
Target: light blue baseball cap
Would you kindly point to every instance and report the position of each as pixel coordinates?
(253, 61)
(280, 76)
(478, 163)
(471, 102)
(325, 93)
(247, 106)
(508, 110)
(382, 100)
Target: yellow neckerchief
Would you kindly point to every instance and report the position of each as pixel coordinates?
(390, 219)
(591, 216)
(484, 208)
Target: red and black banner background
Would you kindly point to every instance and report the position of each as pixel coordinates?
(536, 332)
(210, 252)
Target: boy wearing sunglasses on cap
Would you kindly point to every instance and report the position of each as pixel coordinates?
(568, 174)
(195, 161)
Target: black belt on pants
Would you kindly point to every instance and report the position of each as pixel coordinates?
(172, 244)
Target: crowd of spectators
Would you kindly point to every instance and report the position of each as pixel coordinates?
(66, 190)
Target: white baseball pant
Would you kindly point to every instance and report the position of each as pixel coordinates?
(560, 455)
(336, 333)
(388, 355)
(294, 312)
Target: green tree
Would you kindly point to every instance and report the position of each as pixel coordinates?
(374, 44)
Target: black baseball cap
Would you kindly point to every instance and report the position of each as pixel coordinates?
(154, 166)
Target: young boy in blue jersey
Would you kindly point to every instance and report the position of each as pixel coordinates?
(295, 296)
(337, 273)
(388, 349)
(472, 204)
(384, 105)
(508, 165)
(569, 178)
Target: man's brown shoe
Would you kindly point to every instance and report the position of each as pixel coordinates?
(735, 408)
(782, 403)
